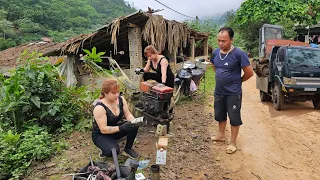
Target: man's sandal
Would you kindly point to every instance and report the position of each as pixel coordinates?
(231, 149)
(214, 138)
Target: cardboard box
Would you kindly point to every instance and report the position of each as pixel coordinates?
(163, 142)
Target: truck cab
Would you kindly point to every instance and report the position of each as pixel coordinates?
(267, 32)
(287, 70)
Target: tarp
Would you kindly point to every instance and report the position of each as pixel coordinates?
(66, 70)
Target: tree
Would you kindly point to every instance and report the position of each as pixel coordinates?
(207, 26)
(254, 13)
(229, 17)
(5, 26)
(6, 43)
(27, 20)
(3, 14)
(300, 11)
(27, 26)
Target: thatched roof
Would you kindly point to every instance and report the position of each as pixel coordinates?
(155, 30)
(9, 56)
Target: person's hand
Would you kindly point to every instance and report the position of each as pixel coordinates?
(127, 127)
(139, 71)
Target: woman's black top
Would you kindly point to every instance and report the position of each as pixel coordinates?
(112, 120)
(170, 75)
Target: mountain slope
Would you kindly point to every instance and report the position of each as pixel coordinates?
(29, 20)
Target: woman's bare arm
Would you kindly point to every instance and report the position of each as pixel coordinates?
(126, 111)
(164, 65)
(147, 67)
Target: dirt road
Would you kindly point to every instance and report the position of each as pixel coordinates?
(272, 144)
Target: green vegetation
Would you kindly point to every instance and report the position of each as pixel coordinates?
(213, 25)
(36, 110)
(253, 14)
(18, 150)
(29, 20)
(210, 82)
(206, 26)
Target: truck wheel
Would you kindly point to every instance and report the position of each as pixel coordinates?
(264, 96)
(316, 103)
(278, 97)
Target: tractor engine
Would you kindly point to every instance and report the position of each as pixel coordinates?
(155, 100)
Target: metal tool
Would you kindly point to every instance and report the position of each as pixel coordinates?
(91, 161)
(116, 163)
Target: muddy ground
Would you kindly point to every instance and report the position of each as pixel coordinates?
(272, 144)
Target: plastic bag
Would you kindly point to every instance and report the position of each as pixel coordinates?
(193, 86)
(66, 69)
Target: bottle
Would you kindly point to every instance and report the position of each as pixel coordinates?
(155, 172)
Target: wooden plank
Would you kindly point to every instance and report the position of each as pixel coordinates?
(132, 25)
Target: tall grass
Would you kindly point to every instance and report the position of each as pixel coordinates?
(208, 83)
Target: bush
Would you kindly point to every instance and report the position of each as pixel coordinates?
(6, 43)
(17, 151)
(35, 106)
(35, 92)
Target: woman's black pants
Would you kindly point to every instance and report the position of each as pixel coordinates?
(108, 141)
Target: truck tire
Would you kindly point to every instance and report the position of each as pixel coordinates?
(264, 96)
(278, 98)
(316, 103)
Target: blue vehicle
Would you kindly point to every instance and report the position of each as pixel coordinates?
(291, 74)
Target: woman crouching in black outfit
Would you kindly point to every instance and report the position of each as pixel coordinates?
(107, 112)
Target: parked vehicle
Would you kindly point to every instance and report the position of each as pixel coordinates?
(188, 78)
(286, 70)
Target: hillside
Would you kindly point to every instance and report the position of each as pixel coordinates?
(29, 20)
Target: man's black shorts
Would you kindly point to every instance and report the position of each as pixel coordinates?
(228, 104)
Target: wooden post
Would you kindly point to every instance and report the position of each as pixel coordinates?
(306, 39)
(205, 47)
(135, 53)
(173, 60)
(136, 59)
(192, 48)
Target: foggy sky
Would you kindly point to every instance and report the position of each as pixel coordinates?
(193, 8)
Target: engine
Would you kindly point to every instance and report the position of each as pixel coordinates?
(156, 99)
